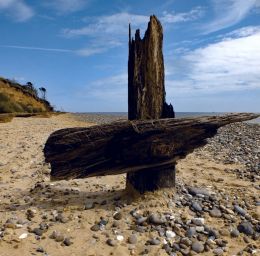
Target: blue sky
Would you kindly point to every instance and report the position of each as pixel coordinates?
(78, 50)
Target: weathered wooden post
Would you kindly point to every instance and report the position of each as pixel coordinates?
(146, 98)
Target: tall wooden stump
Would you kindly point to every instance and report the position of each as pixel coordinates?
(146, 97)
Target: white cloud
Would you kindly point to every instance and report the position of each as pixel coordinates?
(112, 88)
(89, 51)
(16, 9)
(193, 14)
(66, 6)
(229, 13)
(245, 31)
(232, 64)
(106, 32)
(116, 24)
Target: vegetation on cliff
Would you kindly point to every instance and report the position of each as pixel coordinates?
(17, 98)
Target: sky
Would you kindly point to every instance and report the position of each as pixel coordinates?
(78, 51)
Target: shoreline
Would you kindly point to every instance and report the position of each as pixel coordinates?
(33, 205)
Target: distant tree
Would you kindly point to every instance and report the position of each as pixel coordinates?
(43, 91)
(30, 87)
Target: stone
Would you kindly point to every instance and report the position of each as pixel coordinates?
(218, 251)
(198, 221)
(67, 241)
(246, 228)
(95, 227)
(132, 239)
(119, 238)
(215, 212)
(40, 249)
(200, 229)
(157, 219)
(234, 232)
(170, 234)
(59, 237)
(154, 241)
(195, 191)
(190, 232)
(196, 206)
(213, 233)
(89, 205)
(140, 229)
(141, 220)
(38, 231)
(186, 241)
(23, 236)
(197, 247)
(118, 216)
(111, 242)
(239, 210)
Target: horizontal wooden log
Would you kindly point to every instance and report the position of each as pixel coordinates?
(129, 146)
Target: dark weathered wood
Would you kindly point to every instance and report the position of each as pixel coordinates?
(146, 89)
(129, 146)
(146, 96)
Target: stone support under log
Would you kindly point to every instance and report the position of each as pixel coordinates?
(146, 97)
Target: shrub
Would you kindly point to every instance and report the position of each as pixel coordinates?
(3, 97)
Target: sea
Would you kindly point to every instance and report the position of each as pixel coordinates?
(107, 117)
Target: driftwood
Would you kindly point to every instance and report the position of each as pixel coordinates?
(146, 97)
(146, 89)
(129, 146)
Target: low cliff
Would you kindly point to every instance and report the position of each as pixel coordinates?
(15, 97)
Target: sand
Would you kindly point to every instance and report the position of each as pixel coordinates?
(25, 185)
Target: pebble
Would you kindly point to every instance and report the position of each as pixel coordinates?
(154, 241)
(118, 216)
(40, 249)
(132, 239)
(67, 241)
(141, 220)
(89, 206)
(23, 236)
(215, 212)
(246, 228)
(196, 206)
(38, 231)
(234, 232)
(190, 232)
(119, 238)
(157, 219)
(197, 247)
(195, 191)
(199, 228)
(186, 241)
(239, 210)
(170, 234)
(59, 237)
(218, 251)
(111, 242)
(198, 221)
(95, 227)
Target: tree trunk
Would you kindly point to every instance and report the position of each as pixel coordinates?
(146, 97)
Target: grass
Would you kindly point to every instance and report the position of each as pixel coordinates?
(7, 105)
(5, 118)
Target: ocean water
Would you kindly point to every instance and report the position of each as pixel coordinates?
(106, 117)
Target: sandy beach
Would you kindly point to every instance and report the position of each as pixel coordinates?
(214, 209)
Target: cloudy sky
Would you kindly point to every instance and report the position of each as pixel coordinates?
(78, 50)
